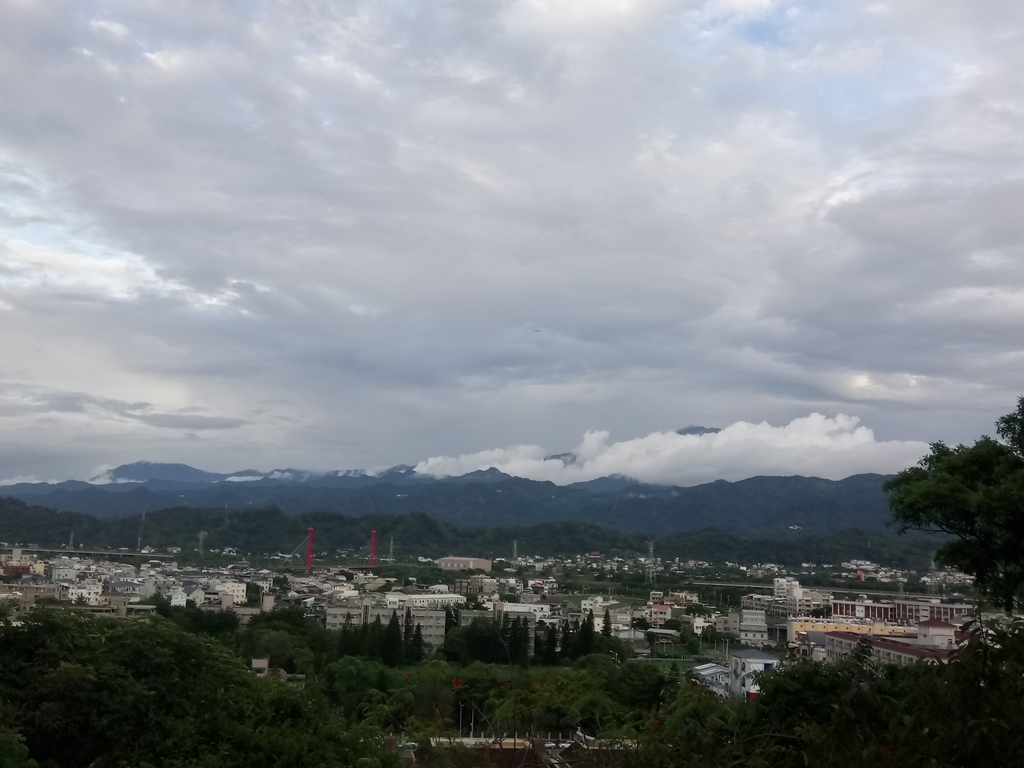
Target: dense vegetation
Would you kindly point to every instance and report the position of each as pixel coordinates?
(755, 505)
(174, 691)
(270, 531)
(974, 497)
(93, 692)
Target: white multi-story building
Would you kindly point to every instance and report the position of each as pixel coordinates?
(598, 604)
(749, 625)
(696, 624)
(439, 600)
(784, 587)
(539, 611)
(657, 615)
(235, 589)
(743, 668)
(87, 592)
(64, 573)
(788, 599)
(342, 592)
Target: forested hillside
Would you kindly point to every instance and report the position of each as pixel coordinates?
(757, 505)
(270, 531)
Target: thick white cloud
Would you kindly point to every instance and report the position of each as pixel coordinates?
(814, 445)
(357, 233)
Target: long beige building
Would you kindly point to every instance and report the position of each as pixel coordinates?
(453, 563)
(853, 626)
(934, 640)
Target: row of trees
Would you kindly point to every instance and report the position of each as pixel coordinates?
(298, 643)
(394, 645)
(511, 642)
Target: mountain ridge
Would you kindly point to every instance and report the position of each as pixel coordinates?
(488, 498)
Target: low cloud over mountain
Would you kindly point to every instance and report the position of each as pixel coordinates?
(814, 445)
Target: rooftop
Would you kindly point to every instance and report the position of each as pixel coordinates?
(894, 645)
(751, 654)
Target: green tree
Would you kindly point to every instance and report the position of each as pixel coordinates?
(407, 628)
(348, 685)
(85, 692)
(1011, 428)
(975, 496)
(253, 594)
(417, 648)
(606, 630)
(479, 641)
(451, 618)
(584, 640)
(348, 640)
(13, 752)
(371, 639)
(392, 651)
(550, 653)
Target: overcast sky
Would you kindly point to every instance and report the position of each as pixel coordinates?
(352, 234)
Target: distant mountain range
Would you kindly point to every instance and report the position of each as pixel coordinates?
(484, 498)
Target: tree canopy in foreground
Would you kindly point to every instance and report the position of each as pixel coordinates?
(975, 495)
(78, 692)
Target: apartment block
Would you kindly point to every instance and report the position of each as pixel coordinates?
(359, 612)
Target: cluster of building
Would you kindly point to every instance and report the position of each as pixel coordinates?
(339, 597)
(811, 623)
(821, 627)
(897, 631)
(119, 588)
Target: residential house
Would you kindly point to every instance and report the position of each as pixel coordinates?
(658, 614)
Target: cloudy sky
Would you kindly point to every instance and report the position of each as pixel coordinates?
(351, 234)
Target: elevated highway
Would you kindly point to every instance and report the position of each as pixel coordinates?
(89, 552)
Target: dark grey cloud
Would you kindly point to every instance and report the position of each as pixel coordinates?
(357, 233)
(20, 401)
